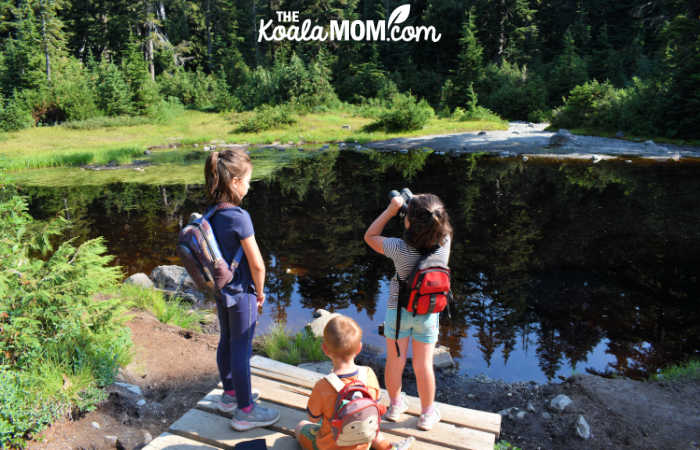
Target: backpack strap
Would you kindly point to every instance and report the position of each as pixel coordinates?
(239, 253)
(334, 381)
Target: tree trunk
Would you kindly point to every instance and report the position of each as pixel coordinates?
(45, 40)
(151, 27)
(501, 32)
(207, 24)
(255, 35)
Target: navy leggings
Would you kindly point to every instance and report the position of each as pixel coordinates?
(237, 326)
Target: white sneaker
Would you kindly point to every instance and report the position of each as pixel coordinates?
(393, 413)
(428, 420)
(404, 444)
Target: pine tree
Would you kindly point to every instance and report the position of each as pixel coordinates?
(22, 67)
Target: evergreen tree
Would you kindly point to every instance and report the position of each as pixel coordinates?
(113, 94)
(144, 91)
(470, 69)
(22, 66)
(568, 70)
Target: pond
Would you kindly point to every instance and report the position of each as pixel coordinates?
(558, 267)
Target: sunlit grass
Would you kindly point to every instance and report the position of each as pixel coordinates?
(54, 156)
(687, 371)
(292, 349)
(173, 312)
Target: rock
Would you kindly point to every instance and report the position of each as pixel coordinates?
(530, 407)
(506, 154)
(140, 279)
(561, 138)
(583, 430)
(113, 163)
(649, 143)
(546, 415)
(481, 133)
(141, 402)
(346, 127)
(130, 388)
(324, 367)
(530, 125)
(560, 402)
(596, 159)
(175, 281)
(512, 413)
(95, 425)
(676, 156)
(516, 132)
(139, 169)
(525, 158)
(442, 358)
(372, 351)
(147, 152)
(111, 440)
(317, 325)
(619, 134)
(147, 437)
(325, 147)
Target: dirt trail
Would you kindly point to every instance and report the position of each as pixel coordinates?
(175, 369)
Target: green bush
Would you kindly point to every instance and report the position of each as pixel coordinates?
(512, 91)
(59, 342)
(404, 114)
(266, 117)
(173, 312)
(365, 81)
(15, 116)
(591, 104)
(197, 90)
(73, 91)
(113, 95)
(477, 113)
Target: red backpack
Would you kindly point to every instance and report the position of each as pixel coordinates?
(356, 415)
(426, 290)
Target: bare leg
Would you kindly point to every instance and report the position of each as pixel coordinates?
(425, 376)
(394, 366)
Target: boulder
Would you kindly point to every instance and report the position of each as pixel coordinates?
(560, 402)
(175, 281)
(126, 389)
(317, 325)
(140, 279)
(561, 138)
(583, 430)
(442, 358)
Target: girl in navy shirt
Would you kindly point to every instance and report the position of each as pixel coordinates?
(227, 177)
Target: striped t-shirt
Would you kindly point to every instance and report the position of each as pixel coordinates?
(405, 259)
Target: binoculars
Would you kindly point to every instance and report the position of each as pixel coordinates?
(407, 196)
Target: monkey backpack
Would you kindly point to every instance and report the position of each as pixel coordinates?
(356, 414)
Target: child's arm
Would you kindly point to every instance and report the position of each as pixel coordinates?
(373, 236)
(314, 407)
(256, 264)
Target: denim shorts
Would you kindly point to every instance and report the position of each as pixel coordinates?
(422, 327)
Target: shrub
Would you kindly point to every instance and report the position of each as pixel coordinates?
(59, 343)
(165, 110)
(591, 104)
(73, 91)
(365, 81)
(15, 116)
(477, 113)
(404, 114)
(267, 117)
(113, 95)
(512, 91)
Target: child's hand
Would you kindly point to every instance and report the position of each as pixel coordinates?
(260, 299)
(395, 204)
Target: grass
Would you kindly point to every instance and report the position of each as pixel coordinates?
(50, 156)
(172, 312)
(687, 371)
(296, 349)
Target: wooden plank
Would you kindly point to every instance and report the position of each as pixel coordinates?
(174, 442)
(291, 402)
(216, 430)
(463, 417)
(291, 416)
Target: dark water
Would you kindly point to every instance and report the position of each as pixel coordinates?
(557, 267)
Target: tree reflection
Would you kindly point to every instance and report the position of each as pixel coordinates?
(564, 256)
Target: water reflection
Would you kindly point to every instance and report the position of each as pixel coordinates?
(558, 267)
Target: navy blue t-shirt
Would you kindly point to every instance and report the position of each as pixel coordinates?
(231, 225)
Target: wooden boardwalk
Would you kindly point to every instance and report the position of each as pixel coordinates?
(287, 389)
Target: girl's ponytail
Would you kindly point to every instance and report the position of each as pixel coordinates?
(220, 170)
